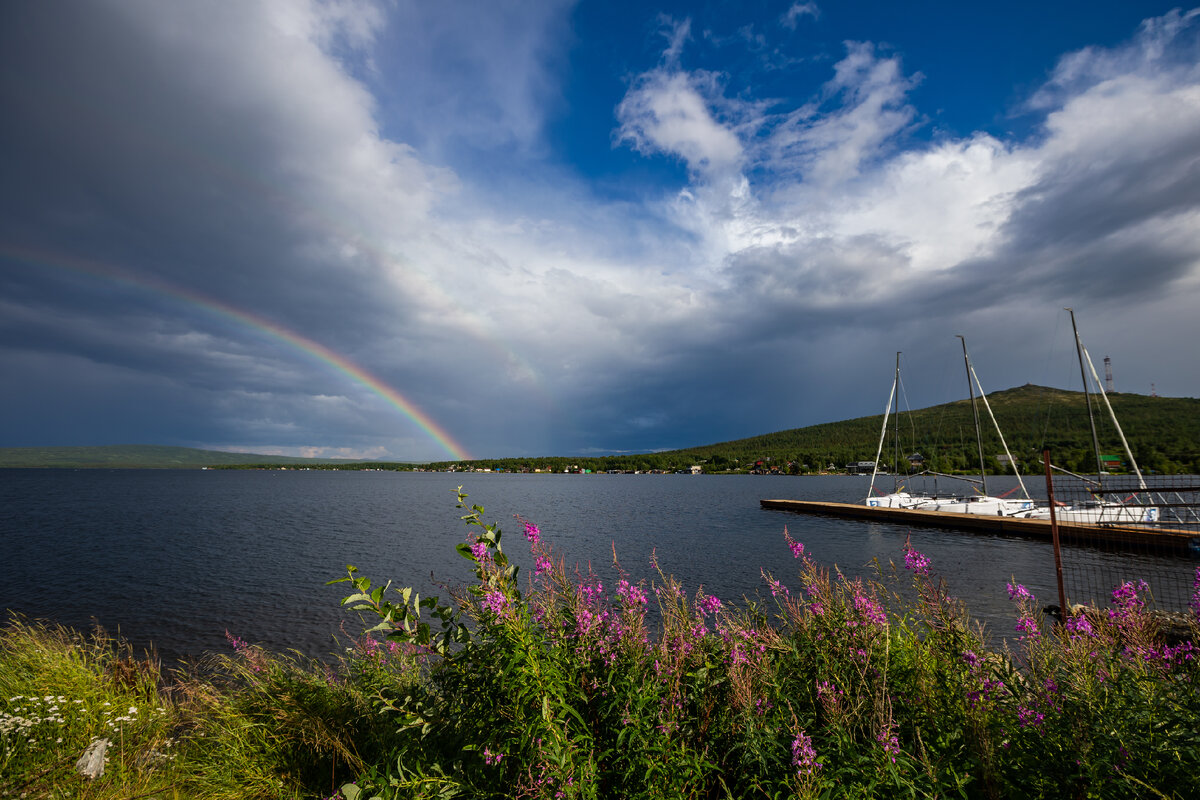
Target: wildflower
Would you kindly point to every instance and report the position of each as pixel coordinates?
(1019, 593)
(804, 757)
(541, 566)
(490, 758)
(1127, 601)
(1079, 626)
(1030, 718)
(777, 588)
(632, 594)
(709, 604)
(970, 659)
(479, 550)
(869, 609)
(495, 602)
(796, 547)
(915, 561)
(1028, 627)
(532, 533)
(890, 742)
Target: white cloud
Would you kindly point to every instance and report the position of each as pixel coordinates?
(668, 111)
(791, 17)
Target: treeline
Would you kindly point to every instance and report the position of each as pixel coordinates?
(1163, 432)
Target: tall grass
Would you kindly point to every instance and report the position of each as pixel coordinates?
(242, 725)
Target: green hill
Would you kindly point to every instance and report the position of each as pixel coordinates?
(1164, 433)
(137, 456)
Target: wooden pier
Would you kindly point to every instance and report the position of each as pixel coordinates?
(1181, 541)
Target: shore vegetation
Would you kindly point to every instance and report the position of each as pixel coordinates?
(561, 681)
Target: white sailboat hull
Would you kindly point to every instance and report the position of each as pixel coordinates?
(981, 504)
(1098, 513)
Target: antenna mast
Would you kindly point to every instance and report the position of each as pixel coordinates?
(1108, 381)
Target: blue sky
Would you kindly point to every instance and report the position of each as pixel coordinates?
(402, 229)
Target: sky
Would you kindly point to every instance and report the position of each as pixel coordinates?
(432, 231)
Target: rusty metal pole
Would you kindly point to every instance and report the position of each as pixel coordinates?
(1062, 595)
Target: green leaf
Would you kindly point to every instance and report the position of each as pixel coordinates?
(464, 550)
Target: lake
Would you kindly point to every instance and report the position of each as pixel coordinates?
(178, 557)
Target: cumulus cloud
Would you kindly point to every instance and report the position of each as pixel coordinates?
(837, 218)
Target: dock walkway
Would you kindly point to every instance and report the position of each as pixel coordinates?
(1182, 541)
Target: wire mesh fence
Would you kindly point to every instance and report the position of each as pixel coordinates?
(1149, 527)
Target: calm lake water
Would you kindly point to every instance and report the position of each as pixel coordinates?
(178, 557)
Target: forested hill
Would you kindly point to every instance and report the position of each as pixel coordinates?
(1164, 433)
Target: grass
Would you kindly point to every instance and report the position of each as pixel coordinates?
(246, 725)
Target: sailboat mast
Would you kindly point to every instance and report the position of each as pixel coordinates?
(1087, 396)
(887, 409)
(975, 412)
(896, 467)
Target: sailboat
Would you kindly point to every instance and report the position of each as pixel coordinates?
(1098, 510)
(981, 503)
(897, 498)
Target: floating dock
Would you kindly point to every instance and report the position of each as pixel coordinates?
(1181, 541)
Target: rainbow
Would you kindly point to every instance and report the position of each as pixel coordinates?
(276, 331)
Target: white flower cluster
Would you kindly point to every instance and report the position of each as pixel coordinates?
(26, 715)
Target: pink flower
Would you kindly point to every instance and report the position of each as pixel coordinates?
(532, 533)
(1079, 627)
(916, 562)
(796, 547)
(1019, 592)
(495, 602)
(1028, 627)
(804, 757)
(632, 594)
(709, 605)
(777, 588)
(869, 610)
(891, 744)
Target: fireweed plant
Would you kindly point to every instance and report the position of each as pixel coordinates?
(572, 684)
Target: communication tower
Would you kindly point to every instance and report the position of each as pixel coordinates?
(1153, 393)
(1108, 382)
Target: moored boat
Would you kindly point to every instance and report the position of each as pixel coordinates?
(978, 503)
